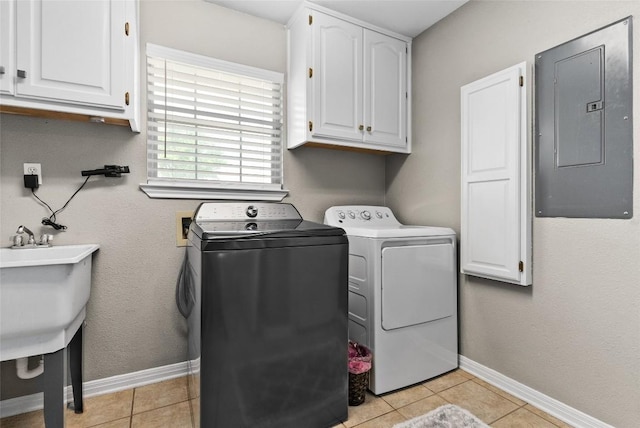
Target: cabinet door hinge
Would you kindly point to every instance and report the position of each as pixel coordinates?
(126, 98)
(521, 266)
(521, 80)
(310, 126)
(310, 72)
(310, 19)
(126, 28)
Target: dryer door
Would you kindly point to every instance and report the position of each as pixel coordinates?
(418, 284)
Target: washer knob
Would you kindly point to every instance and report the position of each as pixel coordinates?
(378, 214)
(365, 215)
(252, 211)
(341, 215)
(351, 214)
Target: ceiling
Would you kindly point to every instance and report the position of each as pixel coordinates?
(406, 17)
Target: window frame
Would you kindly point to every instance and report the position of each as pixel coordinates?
(179, 189)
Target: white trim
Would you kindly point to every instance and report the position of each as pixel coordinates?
(29, 403)
(536, 398)
(176, 190)
(314, 6)
(574, 417)
(208, 62)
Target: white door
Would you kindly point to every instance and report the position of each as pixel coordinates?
(418, 284)
(385, 90)
(337, 78)
(71, 51)
(7, 46)
(495, 228)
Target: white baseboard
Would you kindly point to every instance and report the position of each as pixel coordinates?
(537, 399)
(29, 403)
(92, 388)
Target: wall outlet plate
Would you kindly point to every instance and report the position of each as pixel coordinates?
(183, 220)
(34, 169)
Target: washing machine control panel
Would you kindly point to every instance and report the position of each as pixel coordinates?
(239, 211)
(360, 216)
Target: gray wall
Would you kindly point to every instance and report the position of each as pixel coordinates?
(575, 333)
(132, 321)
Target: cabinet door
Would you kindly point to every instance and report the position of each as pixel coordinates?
(336, 84)
(495, 238)
(7, 43)
(385, 90)
(71, 51)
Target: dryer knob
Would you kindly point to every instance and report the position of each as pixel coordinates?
(341, 215)
(351, 214)
(378, 214)
(366, 215)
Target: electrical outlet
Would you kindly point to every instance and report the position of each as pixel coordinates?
(183, 221)
(34, 169)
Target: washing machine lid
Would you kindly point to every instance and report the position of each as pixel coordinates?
(224, 220)
(377, 222)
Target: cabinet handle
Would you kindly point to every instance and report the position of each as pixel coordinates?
(368, 129)
(22, 74)
(1, 69)
(361, 127)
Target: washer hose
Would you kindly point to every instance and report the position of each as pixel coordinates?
(185, 299)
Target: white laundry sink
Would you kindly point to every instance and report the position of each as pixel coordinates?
(43, 296)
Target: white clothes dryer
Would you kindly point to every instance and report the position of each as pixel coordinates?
(402, 295)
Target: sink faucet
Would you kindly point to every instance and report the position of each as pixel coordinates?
(18, 241)
(24, 229)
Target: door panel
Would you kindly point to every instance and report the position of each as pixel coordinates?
(337, 71)
(385, 90)
(7, 40)
(496, 219)
(418, 284)
(71, 51)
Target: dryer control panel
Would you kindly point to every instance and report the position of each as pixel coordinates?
(361, 216)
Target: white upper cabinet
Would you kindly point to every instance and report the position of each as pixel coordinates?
(495, 238)
(78, 57)
(347, 84)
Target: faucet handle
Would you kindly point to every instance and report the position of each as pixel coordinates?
(17, 240)
(45, 239)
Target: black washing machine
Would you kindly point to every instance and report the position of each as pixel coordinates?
(265, 294)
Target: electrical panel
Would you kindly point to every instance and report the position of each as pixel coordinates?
(584, 126)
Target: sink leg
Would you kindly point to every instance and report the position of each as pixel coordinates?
(75, 366)
(54, 380)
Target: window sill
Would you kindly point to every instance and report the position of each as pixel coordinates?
(185, 191)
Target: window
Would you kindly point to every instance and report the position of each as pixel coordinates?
(214, 128)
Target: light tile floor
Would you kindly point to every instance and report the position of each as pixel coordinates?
(166, 404)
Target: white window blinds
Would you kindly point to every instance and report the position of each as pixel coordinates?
(212, 122)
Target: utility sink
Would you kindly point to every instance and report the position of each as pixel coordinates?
(43, 296)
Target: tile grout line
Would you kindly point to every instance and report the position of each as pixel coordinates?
(504, 416)
(133, 401)
(507, 398)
